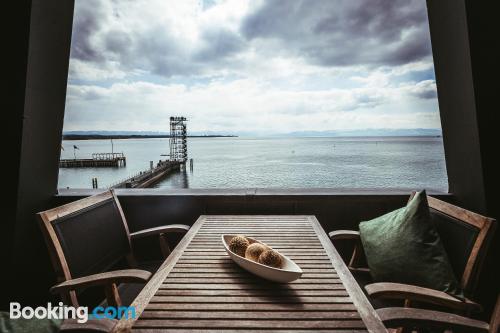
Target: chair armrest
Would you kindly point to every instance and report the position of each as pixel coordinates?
(344, 234)
(421, 318)
(357, 253)
(160, 230)
(419, 294)
(125, 275)
(104, 325)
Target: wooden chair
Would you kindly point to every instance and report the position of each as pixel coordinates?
(88, 238)
(412, 319)
(465, 236)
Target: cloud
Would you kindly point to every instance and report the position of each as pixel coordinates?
(189, 37)
(165, 38)
(217, 44)
(269, 65)
(344, 32)
(243, 105)
(424, 89)
(89, 18)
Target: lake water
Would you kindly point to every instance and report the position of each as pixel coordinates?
(353, 163)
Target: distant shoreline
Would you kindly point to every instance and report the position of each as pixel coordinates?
(70, 137)
(75, 137)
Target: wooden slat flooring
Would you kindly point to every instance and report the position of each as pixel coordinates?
(200, 289)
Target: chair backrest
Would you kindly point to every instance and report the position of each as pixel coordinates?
(87, 236)
(465, 236)
(495, 317)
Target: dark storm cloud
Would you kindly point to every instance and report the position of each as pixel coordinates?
(219, 44)
(344, 32)
(88, 20)
(428, 94)
(151, 47)
(156, 50)
(164, 55)
(117, 42)
(328, 33)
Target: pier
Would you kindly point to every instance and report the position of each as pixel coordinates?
(98, 160)
(143, 179)
(150, 177)
(177, 160)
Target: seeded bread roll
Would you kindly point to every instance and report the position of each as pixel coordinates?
(254, 251)
(238, 244)
(270, 258)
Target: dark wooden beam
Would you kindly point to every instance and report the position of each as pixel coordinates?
(15, 41)
(42, 120)
(464, 35)
(482, 25)
(453, 68)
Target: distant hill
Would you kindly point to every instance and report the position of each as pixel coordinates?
(82, 135)
(102, 135)
(112, 133)
(142, 133)
(368, 132)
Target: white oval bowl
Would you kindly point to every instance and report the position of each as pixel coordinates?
(289, 272)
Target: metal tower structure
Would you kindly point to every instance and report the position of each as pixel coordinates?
(178, 141)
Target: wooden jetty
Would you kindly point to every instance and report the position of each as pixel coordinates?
(150, 177)
(98, 160)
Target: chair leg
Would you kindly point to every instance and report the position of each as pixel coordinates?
(112, 295)
(164, 246)
(355, 255)
(405, 329)
(70, 298)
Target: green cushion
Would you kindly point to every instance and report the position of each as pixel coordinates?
(404, 246)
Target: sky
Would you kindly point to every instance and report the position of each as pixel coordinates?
(251, 66)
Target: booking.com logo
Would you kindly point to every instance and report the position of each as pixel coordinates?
(81, 313)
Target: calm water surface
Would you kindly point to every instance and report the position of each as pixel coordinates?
(373, 163)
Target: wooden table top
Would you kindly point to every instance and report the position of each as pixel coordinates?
(199, 289)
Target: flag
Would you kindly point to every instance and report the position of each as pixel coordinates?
(75, 147)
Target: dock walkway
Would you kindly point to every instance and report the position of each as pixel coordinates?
(98, 160)
(150, 177)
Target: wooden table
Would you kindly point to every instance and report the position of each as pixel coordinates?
(199, 288)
